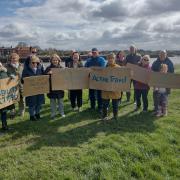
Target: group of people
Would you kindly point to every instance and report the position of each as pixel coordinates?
(33, 66)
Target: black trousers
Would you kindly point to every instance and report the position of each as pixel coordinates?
(144, 94)
(76, 98)
(93, 96)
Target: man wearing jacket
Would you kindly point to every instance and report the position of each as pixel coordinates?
(95, 61)
(162, 59)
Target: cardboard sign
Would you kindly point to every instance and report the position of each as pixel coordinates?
(70, 78)
(110, 79)
(139, 74)
(35, 85)
(9, 92)
(167, 80)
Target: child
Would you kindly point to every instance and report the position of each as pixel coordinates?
(3, 75)
(142, 89)
(162, 96)
(107, 95)
(56, 97)
(34, 68)
(76, 95)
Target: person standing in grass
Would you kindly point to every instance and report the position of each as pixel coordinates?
(76, 95)
(156, 66)
(161, 96)
(56, 97)
(34, 103)
(121, 61)
(95, 61)
(15, 68)
(108, 95)
(3, 75)
(141, 89)
(133, 58)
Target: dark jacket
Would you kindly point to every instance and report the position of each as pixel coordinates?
(80, 64)
(37, 99)
(157, 65)
(54, 94)
(133, 58)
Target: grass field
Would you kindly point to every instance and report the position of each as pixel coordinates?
(80, 146)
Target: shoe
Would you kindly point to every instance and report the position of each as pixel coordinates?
(52, 116)
(33, 118)
(137, 109)
(105, 118)
(37, 116)
(159, 114)
(79, 109)
(63, 115)
(5, 128)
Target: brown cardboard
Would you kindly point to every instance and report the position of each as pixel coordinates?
(35, 85)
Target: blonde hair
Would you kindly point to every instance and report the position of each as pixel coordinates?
(146, 56)
(111, 55)
(55, 56)
(14, 54)
(34, 58)
(164, 68)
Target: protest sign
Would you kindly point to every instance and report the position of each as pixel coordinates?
(35, 85)
(110, 79)
(70, 78)
(9, 92)
(139, 74)
(168, 80)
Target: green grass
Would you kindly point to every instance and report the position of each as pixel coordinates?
(80, 146)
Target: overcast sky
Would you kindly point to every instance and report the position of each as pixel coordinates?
(83, 24)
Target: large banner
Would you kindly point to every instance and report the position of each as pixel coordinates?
(167, 80)
(155, 79)
(35, 85)
(9, 92)
(139, 74)
(70, 78)
(110, 79)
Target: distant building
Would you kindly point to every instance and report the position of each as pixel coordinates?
(6, 51)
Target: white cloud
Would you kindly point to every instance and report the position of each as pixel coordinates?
(82, 24)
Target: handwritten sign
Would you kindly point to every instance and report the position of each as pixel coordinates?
(9, 92)
(35, 85)
(167, 80)
(139, 74)
(70, 78)
(110, 79)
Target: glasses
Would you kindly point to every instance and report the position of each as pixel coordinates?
(34, 62)
(145, 59)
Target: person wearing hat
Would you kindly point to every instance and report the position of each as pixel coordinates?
(95, 61)
(34, 68)
(162, 59)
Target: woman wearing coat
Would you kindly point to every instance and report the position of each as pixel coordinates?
(3, 112)
(34, 68)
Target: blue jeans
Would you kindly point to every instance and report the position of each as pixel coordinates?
(34, 110)
(93, 96)
(144, 94)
